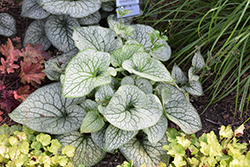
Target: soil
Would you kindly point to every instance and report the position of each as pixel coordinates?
(217, 114)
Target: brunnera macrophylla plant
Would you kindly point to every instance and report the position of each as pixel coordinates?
(114, 94)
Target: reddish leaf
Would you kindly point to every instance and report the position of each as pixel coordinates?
(1, 118)
(2, 87)
(9, 52)
(34, 54)
(22, 93)
(8, 66)
(31, 73)
(8, 101)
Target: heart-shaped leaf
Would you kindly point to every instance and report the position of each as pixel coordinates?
(178, 75)
(147, 67)
(7, 25)
(115, 137)
(181, 112)
(194, 88)
(87, 152)
(104, 94)
(45, 110)
(140, 34)
(99, 38)
(73, 8)
(124, 53)
(155, 133)
(131, 109)
(35, 34)
(90, 19)
(32, 9)
(59, 29)
(198, 61)
(144, 85)
(99, 137)
(92, 122)
(143, 152)
(86, 71)
(89, 105)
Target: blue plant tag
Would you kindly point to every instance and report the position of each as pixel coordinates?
(135, 10)
(126, 2)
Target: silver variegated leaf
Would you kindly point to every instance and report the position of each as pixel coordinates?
(145, 66)
(191, 75)
(104, 94)
(140, 34)
(194, 88)
(99, 137)
(124, 53)
(155, 133)
(127, 80)
(131, 109)
(92, 122)
(89, 105)
(90, 19)
(132, 41)
(87, 152)
(178, 75)
(99, 38)
(115, 137)
(86, 71)
(144, 85)
(76, 9)
(7, 25)
(108, 6)
(180, 111)
(143, 152)
(198, 61)
(35, 34)
(32, 9)
(59, 29)
(46, 110)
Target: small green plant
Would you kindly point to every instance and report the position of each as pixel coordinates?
(21, 146)
(189, 151)
(117, 92)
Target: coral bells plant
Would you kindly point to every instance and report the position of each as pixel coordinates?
(21, 73)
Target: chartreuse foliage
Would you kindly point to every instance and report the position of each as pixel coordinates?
(21, 146)
(207, 150)
(117, 89)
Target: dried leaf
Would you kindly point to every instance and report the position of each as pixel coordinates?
(22, 93)
(8, 101)
(31, 73)
(239, 131)
(34, 54)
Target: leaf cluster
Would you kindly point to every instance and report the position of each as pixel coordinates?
(21, 72)
(21, 146)
(115, 93)
(55, 20)
(188, 150)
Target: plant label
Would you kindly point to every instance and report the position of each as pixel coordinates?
(135, 10)
(126, 2)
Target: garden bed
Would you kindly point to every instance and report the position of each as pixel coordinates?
(217, 114)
